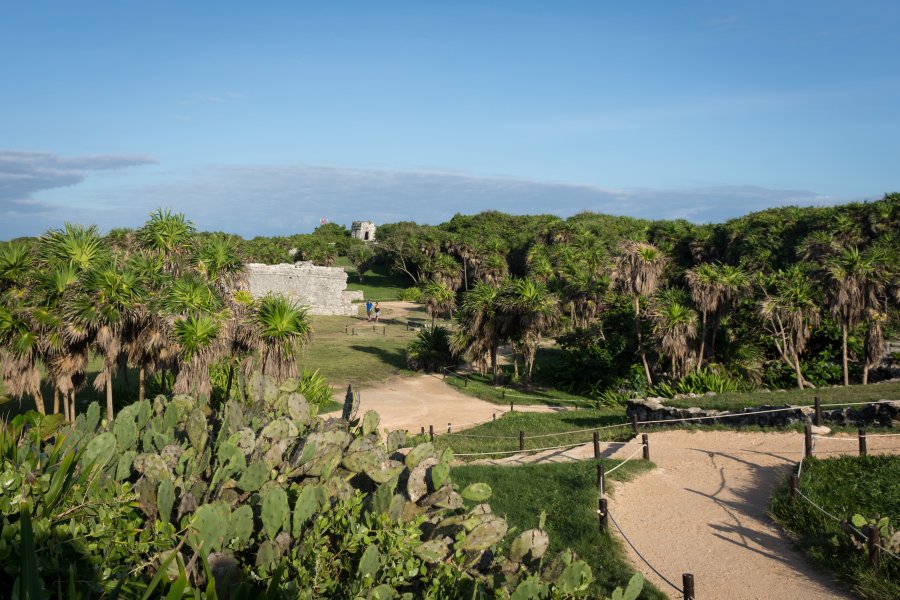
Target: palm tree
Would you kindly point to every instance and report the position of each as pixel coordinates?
(638, 270)
(284, 329)
(197, 338)
(529, 311)
(494, 268)
(875, 343)
(853, 281)
(219, 261)
(74, 245)
(480, 328)
(169, 235)
(789, 311)
(438, 298)
(705, 286)
(20, 356)
(99, 312)
(446, 270)
(675, 329)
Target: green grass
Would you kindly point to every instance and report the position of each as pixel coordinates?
(352, 350)
(480, 386)
(796, 397)
(568, 493)
(507, 428)
(843, 486)
(378, 284)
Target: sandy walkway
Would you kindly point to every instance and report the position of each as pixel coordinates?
(414, 402)
(703, 510)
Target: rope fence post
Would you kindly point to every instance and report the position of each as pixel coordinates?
(862, 441)
(466, 381)
(603, 515)
(511, 405)
(807, 440)
(601, 477)
(449, 428)
(503, 393)
(423, 430)
(634, 424)
(494, 417)
(687, 584)
(874, 544)
(818, 411)
(521, 440)
(596, 444)
(645, 439)
(431, 432)
(794, 481)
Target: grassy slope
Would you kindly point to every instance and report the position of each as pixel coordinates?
(480, 387)
(843, 486)
(568, 494)
(829, 395)
(378, 284)
(510, 424)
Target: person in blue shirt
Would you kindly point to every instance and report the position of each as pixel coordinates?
(368, 310)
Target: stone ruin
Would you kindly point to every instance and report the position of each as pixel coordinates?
(363, 230)
(322, 289)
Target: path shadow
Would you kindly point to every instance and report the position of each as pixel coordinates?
(395, 358)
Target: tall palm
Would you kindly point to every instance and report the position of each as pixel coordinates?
(875, 343)
(705, 286)
(168, 234)
(790, 310)
(494, 268)
(75, 245)
(197, 337)
(529, 311)
(675, 330)
(284, 329)
(638, 271)
(853, 282)
(219, 261)
(20, 356)
(480, 327)
(101, 309)
(438, 298)
(446, 270)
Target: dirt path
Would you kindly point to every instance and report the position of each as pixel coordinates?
(414, 402)
(703, 510)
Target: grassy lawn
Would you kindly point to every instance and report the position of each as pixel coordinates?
(507, 428)
(378, 284)
(352, 350)
(568, 493)
(843, 486)
(480, 387)
(828, 395)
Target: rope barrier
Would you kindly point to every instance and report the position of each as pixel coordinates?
(851, 404)
(543, 435)
(640, 448)
(641, 556)
(527, 450)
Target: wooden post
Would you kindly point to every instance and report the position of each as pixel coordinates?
(423, 430)
(646, 441)
(449, 428)
(503, 392)
(431, 432)
(521, 440)
(345, 328)
(494, 416)
(445, 368)
(596, 445)
(634, 424)
(510, 405)
(466, 381)
(687, 584)
(384, 330)
(793, 487)
(818, 412)
(601, 477)
(873, 544)
(603, 514)
(862, 441)
(807, 440)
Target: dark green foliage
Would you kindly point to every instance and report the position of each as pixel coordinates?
(430, 351)
(845, 486)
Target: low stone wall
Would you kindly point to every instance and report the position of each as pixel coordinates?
(885, 413)
(322, 289)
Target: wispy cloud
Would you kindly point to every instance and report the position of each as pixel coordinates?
(721, 22)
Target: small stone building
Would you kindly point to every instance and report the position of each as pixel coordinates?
(322, 289)
(363, 230)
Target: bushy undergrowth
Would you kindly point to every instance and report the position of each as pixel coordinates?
(867, 486)
(411, 294)
(430, 351)
(262, 499)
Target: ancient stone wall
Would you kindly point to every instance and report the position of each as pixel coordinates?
(363, 230)
(322, 289)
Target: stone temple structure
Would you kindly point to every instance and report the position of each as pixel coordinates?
(363, 230)
(322, 289)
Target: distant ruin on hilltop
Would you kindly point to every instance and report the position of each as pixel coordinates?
(363, 230)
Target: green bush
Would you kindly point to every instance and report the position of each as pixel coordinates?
(260, 500)
(430, 350)
(411, 294)
(700, 381)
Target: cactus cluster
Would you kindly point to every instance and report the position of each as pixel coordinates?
(261, 485)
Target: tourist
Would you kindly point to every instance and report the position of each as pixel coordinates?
(368, 310)
(377, 312)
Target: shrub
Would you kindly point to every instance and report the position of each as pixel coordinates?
(411, 294)
(430, 351)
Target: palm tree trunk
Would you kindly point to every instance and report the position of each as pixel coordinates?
(432, 320)
(702, 342)
(141, 376)
(39, 402)
(72, 414)
(465, 275)
(637, 327)
(55, 400)
(109, 394)
(865, 373)
(844, 329)
(495, 368)
(65, 403)
(797, 372)
(715, 331)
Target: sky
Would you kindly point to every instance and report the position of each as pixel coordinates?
(263, 118)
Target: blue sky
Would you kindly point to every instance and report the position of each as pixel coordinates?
(261, 118)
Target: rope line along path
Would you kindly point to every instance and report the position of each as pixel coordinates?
(641, 556)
